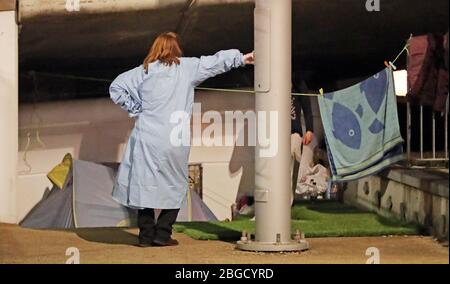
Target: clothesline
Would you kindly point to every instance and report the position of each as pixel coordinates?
(55, 75)
(63, 76)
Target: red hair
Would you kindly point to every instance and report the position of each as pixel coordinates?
(166, 48)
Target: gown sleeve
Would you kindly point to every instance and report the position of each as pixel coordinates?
(124, 91)
(221, 62)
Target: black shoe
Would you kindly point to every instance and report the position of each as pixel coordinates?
(169, 242)
(144, 244)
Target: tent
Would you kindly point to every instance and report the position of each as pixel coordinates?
(85, 201)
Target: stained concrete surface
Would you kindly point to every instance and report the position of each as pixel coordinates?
(18, 245)
(113, 29)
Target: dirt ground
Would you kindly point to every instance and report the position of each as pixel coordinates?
(18, 245)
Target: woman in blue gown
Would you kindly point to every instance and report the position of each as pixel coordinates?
(159, 94)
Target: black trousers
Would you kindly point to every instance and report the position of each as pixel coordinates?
(161, 230)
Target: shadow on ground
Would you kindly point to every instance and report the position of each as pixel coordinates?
(224, 231)
(114, 236)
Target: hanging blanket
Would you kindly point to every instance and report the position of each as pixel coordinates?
(361, 127)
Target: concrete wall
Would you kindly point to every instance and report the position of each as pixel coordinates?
(413, 196)
(98, 130)
(8, 113)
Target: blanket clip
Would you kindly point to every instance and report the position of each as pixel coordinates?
(390, 64)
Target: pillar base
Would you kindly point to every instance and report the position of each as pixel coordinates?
(273, 247)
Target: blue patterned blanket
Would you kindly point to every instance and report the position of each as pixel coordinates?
(361, 127)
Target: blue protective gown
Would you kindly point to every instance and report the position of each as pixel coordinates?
(154, 172)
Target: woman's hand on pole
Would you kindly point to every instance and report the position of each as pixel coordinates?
(249, 58)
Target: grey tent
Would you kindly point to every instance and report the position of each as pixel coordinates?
(85, 202)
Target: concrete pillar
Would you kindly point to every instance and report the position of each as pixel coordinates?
(8, 111)
(273, 55)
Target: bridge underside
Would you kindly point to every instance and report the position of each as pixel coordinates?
(332, 40)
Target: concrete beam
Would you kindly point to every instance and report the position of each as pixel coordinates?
(8, 5)
(37, 8)
(9, 93)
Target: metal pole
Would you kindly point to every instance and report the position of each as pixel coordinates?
(408, 112)
(434, 135)
(446, 129)
(408, 131)
(421, 132)
(273, 37)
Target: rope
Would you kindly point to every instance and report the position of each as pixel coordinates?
(64, 76)
(38, 137)
(24, 157)
(39, 125)
(54, 75)
(405, 48)
(246, 91)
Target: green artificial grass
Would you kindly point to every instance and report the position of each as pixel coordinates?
(318, 219)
